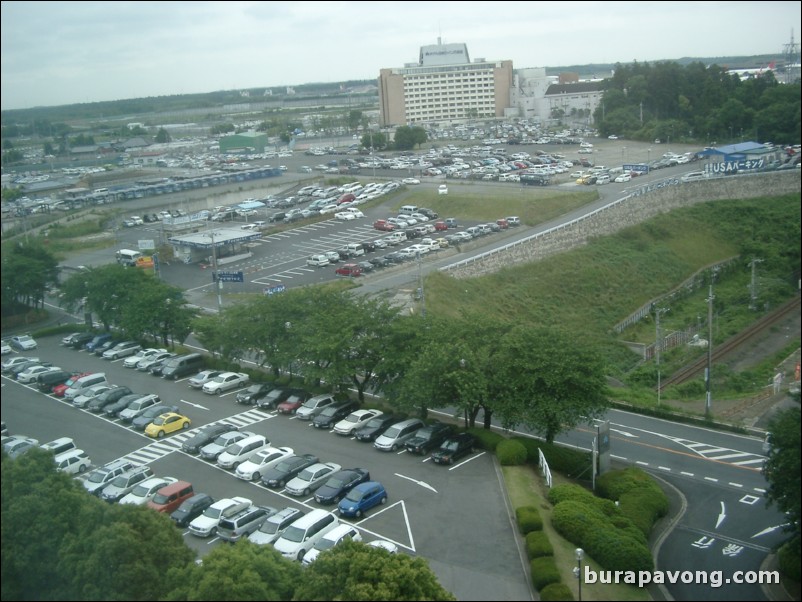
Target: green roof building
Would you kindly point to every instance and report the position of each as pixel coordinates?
(243, 141)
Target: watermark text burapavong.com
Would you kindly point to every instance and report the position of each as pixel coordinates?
(644, 578)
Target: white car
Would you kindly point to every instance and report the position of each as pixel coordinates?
(239, 452)
(311, 478)
(412, 181)
(16, 360)
(23, 342)
(144, 492)
(133, 360)
(345, 215)
(5, 347)
(385, 545)
(84, 398)
(442, 189)
(206, 524)
(354, 420)
(624, 177)
(202, 377)
(225, 382)
(29, 374)
(123, 349)
(253, 468)
(336, 536)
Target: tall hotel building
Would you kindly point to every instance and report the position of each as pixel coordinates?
(444, 86)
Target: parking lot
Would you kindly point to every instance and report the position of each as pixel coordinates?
(456, 516)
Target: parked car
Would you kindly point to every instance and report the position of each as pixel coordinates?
(100, 477)
(191, 508)
(206, 435)
(19, 445)
(144, 491)
(398, 434)
(141, 422)
(138, 407)
(123, 484)
(205, 525)
(244, 523)
(339, 484)
(203, 377)
(453, 448)
(82, 400)
(314, 406)
(114, 409)
(31, 373)
(376, 426)
(254, 393)
(333, 538)
(285, 401)
(212, 450)
(23, 342)
(78, 340)
(171, 496)
(145, 364)
(310, 478)
(121, 350)
(274, 526)
(74, 461)
(264, 459)
(106, 398)
(428, 438)
(356, 419)
(166, 424)
(97, 340)
(239, 452)
(10, 363)
(362, 498)
(332, 414)
(47, 381)
(284, 471)
(226, 381)
(132, 360)
(299, 537)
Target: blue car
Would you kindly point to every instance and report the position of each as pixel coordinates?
(361, 498)
(98, 341)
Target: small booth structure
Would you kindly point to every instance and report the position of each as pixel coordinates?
(219, 245)
(744, 156)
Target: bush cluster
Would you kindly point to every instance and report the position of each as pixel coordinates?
(486, 439)
(544, 572)
(538, 544)
(511, 453)
(570, 462)
(638, 495)
(529, 519)
(556, 592)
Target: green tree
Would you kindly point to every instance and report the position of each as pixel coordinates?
(354, 119)
(782, 468)
(243, 571)
(374, 140)
(163, 136)
(355, 571)
(407, 138)
(28, 270)
(547, 381)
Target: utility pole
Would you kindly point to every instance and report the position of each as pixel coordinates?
(753, 285)
(708, 373)
(215, 275)
(658, 345)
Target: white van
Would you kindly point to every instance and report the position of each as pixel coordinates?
(317, 261)
(127, 257)
(59, 446)
(74, 461)
(693, 176)
(408, 210)
(304, 533)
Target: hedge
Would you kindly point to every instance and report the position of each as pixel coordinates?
(538, 544)
(529, 519)
(511, 453)
(486, 439)
(789, 561)
(561, 493)
(575, 520)
(556, 592)
(544, 572)
(570, 462)
(638, 494)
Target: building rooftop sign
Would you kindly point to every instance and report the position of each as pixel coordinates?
(444, 54)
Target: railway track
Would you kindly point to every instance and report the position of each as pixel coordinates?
(694, 368)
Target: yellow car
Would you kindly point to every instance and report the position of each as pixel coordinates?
(167, 423)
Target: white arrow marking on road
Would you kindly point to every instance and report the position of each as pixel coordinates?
(193, 404)
(625, 433)
(722, 515)
(768, 530)
(421, 483)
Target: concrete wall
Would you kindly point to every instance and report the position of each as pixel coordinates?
(642, 204)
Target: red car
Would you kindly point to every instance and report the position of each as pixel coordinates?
(349, 269)
(58, 390)
(440, 226)
(384, 225)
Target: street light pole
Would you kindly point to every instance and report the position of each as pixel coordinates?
(579, 554)
(658, 345)
(708, 370)
(217, 282)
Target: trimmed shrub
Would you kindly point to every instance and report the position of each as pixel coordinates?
(511, 453)
(569, 462)
(627, 527)
(615, 483)
(575, 520)
(544, 572)
(556, 592)
(486, 439)
(644, 507)
(538, 544)
(561, 493)
(528, 518)
(616, 551)
(788, 558)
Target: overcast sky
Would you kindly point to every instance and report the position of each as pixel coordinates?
(56, 53)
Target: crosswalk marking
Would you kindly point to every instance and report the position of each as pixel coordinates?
(719, 454)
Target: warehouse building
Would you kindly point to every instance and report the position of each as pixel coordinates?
(244, 141)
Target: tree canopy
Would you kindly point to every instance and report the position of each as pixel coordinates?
(28, 271)
(783, 468)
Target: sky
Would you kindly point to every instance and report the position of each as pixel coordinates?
(56, 53)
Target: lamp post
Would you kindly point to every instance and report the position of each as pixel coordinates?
(649, 156)
(217, 282)
(708, 370)
(658, 345)
(579, 555)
